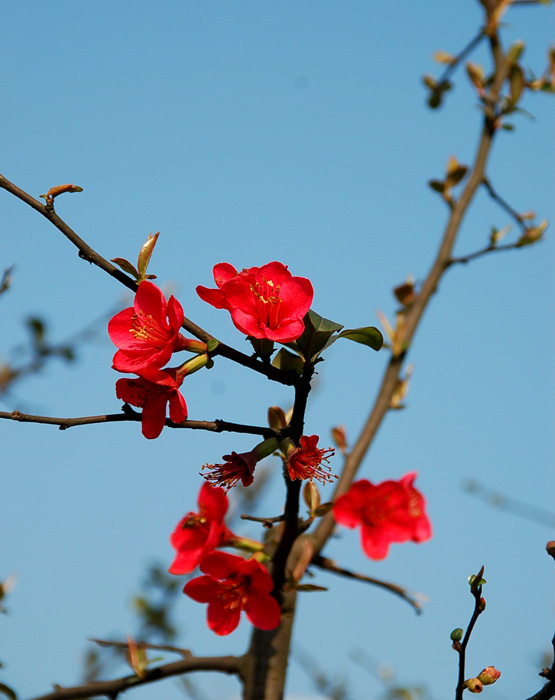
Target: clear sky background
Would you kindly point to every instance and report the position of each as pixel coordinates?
(248, 132)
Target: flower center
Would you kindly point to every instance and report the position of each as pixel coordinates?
(267, 303)
(145, 328)
(232, 594)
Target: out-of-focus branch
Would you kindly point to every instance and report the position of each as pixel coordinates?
(328, 565)
(110, 689)
(144, 645)
(128, 414)
(413, 314)
(463, 259)
(515, 506)
(504, 205)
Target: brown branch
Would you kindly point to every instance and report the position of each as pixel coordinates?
(328, 565)
(128, 414)
(548, 690)
(266, 522)
(110, 689)
(413, 315)
(90, 255)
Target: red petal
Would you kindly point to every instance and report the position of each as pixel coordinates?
(263, 611)
(222, 620)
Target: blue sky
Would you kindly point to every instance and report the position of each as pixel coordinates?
(248, 132)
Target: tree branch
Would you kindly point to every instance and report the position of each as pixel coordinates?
(413, 314)
(87, 253)
(110, 689)
(128, 414)
(328, 565)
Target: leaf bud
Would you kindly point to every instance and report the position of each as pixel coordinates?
(276, 418)
(482, 605)
(456, 634)
(515, 51)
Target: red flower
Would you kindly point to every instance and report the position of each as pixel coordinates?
(197, 534)
(306, 461)
(152, 392)
(392, 511)
(264, 302)
(148, 333)
(237, 467)
(233, 584)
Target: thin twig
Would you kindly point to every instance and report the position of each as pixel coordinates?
(515, 506)
(329, 565)
(144, 645)
(266, 522)
(478, 609)
(504, 205)
(484, 251)
(460, 56)
(216, 426)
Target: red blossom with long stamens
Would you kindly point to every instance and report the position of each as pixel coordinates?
(148, 333)
(233, 584)
(393, 511)
(307, 461)
(152, 392)
(264, 302)
(198, 534)
(237, 467)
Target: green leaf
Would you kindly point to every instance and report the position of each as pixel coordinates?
(287, 361)
(368, 335)
(317, 331)
(126, 266)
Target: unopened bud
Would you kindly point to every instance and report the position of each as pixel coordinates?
(456, 634)
(276, 418)
(474, 685)
(482, 605)
(489, 675)
(311, 496)
(266, 448)
(550, 548)
(339, 436)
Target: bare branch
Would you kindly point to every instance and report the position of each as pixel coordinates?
(110, 689)
(505, 205)
(329, 565)
(128, 414)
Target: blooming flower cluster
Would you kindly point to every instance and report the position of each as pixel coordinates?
(264, 302)
(230, 584)
(146, 335)
(393, 511)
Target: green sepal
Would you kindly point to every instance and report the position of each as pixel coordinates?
(368, 335)
(287, 361)
(211, 345)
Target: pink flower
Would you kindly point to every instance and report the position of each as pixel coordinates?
(233, 584)
(264, 302)
(306, 461)
(198, 534)
(152, 392)
(148, 333)
(237, 467)
(393, 511)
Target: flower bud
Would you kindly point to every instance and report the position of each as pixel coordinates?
(456, 635)
(482, 605)
(489, 675)
(276, 418)
(550, 548)
(474, 685)
(311, 496)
